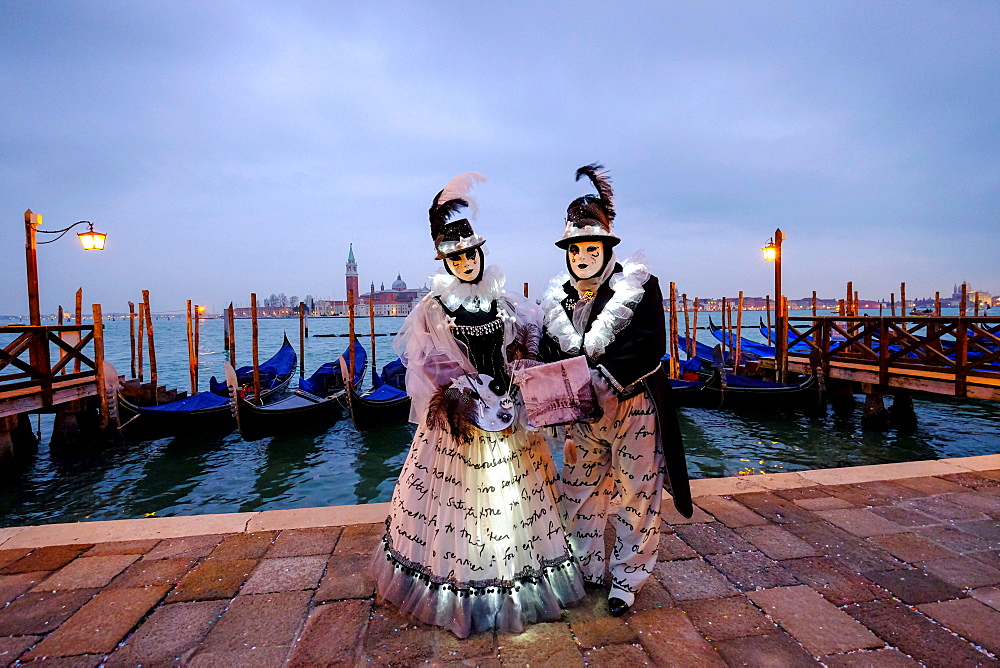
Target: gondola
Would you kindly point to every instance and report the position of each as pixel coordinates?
(385, 404)
(741, 393)
(206, 410)
(746, 345)
(317, 401)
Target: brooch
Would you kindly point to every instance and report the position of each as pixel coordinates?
(585, 296)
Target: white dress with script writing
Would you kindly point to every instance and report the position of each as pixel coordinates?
(474, 539)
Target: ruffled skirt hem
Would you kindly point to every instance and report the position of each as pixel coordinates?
(467, 608)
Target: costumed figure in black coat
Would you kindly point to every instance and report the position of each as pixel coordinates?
(474, 540)
(612, 313)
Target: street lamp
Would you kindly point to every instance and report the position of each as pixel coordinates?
(90, 240)
(772, 253)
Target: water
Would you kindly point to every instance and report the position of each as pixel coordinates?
(337, 466)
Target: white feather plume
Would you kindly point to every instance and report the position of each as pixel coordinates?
(459, 187)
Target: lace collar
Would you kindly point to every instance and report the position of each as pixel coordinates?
(627, 291)
(473, 296)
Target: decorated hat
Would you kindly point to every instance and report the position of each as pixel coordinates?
(589, 218)
(454, 236)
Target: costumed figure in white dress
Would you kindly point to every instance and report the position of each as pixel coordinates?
(612, 313)
(474, 539)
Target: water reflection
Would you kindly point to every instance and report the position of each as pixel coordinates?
(380, 456)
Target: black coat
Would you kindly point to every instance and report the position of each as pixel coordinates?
(631, 364)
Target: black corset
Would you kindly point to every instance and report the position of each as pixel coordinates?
(482, 334)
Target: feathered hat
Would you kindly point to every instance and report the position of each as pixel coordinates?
(453, 236)
(589, 218)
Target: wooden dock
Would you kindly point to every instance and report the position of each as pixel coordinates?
(955, 356)
(56, 368)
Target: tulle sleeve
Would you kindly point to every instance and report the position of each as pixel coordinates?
(432, 356)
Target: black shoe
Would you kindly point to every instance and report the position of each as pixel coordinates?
(617, 607)
(591, 586)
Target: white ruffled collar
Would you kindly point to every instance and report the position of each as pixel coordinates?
(473, 296)
(627, 288)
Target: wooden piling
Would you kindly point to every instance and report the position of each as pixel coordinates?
(197, 344)
(60, 315)
(687, 320)
(225, 330)
(814, 303)
(138, 356)
(725, 343)
(371, 327)
(902, 300)
(674, 352)
(965, 299)
(149, 335)
(232, 335)
(102, 386)
(131, 334)
(350, 333)
(79, 321)
(857, 308)
(849, 300)
(937, 304)
(975, 303)
(254, 343)
(739, 329)
(190, 342)
(525, 290)
(692, 344)
(302, 339)
(783, 333)
(767, 310)
(892, 304)
(841, 308)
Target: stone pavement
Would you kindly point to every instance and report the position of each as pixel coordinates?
(893, 565)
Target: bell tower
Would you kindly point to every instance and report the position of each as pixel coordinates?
(352, 276)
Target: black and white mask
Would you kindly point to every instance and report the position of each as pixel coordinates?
(466, 266)
(585, 259)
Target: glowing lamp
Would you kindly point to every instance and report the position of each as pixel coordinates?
(91, 240)
(770, 251)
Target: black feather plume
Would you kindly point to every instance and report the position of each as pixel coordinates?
(599, 177)
(441, 213)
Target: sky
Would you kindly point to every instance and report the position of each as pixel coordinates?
(231, 147)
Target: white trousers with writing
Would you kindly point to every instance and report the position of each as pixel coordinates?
(618, 451)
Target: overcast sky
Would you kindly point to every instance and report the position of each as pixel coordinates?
(231, 147)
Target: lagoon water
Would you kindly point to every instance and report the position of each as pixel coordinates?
(338, 465)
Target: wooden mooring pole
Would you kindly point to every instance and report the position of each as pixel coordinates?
(79, 321)
(232, 335)
(739, 330)
(131, 334)
(139, 345)
(350, 340)
(767, 310)
(674, 353)
(152, 348)
(694, 330)
(197, 343)
(254, 342)
(302, 339)
(371, 327)
(102, 383)
(190, 341)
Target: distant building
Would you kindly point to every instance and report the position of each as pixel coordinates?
(398, 300)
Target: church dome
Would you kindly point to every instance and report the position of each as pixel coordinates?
(398, 284)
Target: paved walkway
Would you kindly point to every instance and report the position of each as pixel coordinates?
(892, 565)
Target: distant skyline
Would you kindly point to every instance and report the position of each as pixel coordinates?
(237, 147)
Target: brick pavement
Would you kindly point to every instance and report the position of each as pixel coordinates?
(882, 571)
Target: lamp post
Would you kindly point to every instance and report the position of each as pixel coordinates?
(90, 240)
(772, 253)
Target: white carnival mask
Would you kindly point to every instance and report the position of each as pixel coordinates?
(585, 258)
(465, 265)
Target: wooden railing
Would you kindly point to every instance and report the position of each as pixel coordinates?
(38, 356)
(967, 348)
